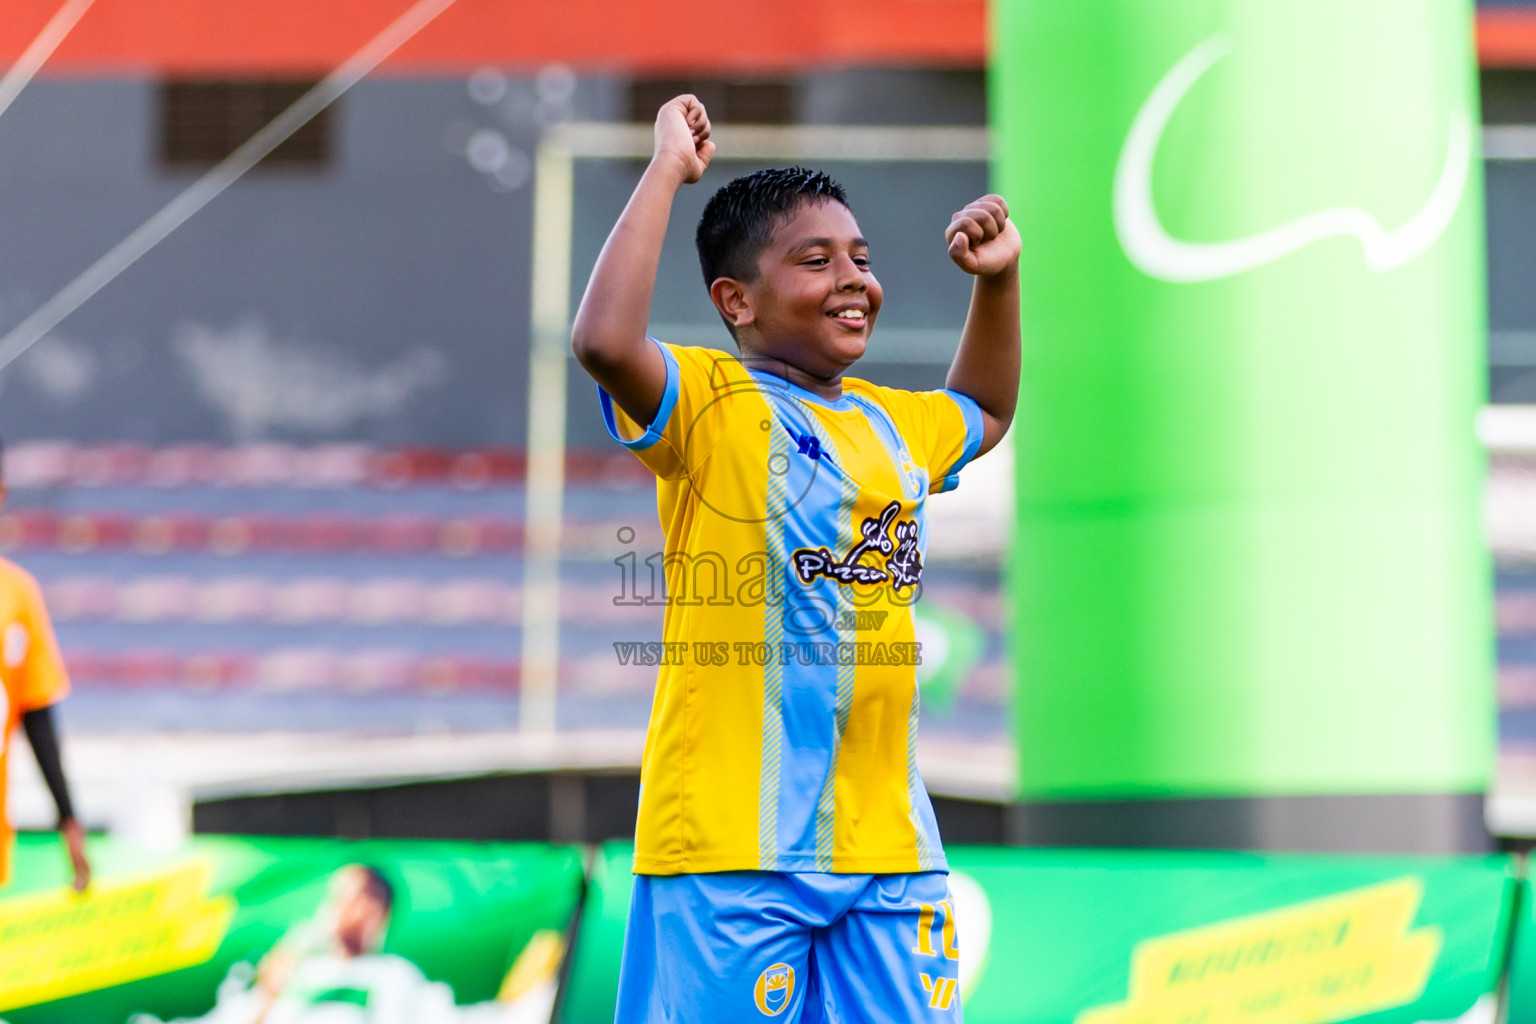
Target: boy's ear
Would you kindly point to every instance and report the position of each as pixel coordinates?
(732, 300)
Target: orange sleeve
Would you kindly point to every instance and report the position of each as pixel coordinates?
(31, 651)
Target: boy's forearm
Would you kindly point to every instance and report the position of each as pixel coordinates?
(611, 320)
(44, 738)
(986, 365)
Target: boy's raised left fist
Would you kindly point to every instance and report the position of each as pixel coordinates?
(682, 134)
(982, 240)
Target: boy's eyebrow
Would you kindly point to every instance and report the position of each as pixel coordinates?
(857, 242)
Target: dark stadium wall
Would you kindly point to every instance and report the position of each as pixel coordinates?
(381, 296)
(1509, 106)
(389, 285)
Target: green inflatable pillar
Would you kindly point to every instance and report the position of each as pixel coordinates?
(1252, 605)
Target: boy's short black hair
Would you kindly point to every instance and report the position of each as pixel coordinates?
(740, 218)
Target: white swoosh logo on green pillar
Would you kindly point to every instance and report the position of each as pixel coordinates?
(1158, 254)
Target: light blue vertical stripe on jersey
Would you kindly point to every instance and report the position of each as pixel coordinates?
(826, 805)
(924, 826)
(772, 741)
(809, 688)
(808, 691)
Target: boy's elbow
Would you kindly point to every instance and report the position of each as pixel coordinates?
(993, 430)
(1003, 411)
(589, 348)
(603, 351)
(581, 347)
(598, 360)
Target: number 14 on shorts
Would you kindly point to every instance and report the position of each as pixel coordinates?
(937, 917)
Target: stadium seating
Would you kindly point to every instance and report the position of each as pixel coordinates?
(269, 586)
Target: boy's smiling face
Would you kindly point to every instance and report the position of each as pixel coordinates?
(815, 298)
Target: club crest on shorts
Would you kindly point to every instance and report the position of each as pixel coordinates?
(775, 987)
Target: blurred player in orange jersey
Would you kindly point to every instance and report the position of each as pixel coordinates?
(32, 680)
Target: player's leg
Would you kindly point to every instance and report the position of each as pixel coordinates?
(894, 957)
(701, 949)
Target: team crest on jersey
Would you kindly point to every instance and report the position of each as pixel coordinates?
(775, 988)
(883, 535)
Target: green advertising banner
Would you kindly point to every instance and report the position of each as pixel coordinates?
(1144, 937)
(1248, 559)
(234, 930)
(592, 988)
(1522, 967)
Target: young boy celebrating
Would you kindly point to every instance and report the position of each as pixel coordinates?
(787, 859)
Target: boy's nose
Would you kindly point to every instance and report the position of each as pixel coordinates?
(849, 276)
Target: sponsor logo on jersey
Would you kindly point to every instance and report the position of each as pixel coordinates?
(16, 643)
(774, 990)
(883, 536)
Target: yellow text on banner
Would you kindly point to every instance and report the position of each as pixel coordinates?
(1328, 959)
(58, 944)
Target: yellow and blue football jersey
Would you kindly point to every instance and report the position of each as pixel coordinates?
(784, 725)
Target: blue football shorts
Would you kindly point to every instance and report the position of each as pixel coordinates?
(790, 947)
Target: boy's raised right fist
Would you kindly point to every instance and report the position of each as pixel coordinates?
(682, 134)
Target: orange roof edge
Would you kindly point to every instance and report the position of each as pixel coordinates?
(1506, 37)
(168, 37)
